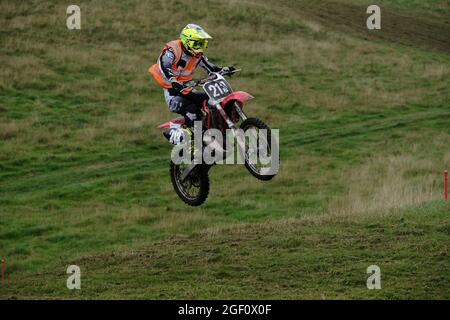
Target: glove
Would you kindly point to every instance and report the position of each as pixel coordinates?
(228, 70)
(176, 88)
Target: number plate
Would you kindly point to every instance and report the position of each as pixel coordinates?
(217, 89)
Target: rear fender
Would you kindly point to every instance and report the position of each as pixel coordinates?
(177, 122)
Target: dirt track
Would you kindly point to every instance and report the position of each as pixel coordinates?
(422, 32)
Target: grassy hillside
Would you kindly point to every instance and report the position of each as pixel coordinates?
(364, 121)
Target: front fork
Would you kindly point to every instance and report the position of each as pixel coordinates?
(240, 139)
(230, 123)
(240, 111)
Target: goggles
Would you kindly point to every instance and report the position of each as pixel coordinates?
(198, 44)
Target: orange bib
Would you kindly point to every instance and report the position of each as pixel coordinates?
(180, 74)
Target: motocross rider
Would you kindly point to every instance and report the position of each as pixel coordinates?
(176, 64)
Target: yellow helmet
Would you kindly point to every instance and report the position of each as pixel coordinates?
(194, 39)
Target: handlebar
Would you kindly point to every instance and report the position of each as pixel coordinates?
(211, 76)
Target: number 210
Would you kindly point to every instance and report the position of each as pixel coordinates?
(220, 87)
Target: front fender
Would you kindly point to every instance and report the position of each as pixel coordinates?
(240, 96)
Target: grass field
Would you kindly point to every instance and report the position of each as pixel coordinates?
(364, 119)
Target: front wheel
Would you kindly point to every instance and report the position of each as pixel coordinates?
(261, 145)
(194, 189)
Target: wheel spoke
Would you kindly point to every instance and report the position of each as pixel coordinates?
(194, 188)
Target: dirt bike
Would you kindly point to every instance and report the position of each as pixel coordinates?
(223, 110)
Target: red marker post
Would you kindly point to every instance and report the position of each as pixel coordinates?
(446, 185)
(3, 270)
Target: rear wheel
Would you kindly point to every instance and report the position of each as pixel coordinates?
(251, 126)
(194, 189)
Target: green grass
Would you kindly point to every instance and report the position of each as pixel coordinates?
(294, 259)
(364, 132)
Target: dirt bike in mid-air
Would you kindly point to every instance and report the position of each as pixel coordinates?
(223, 110)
